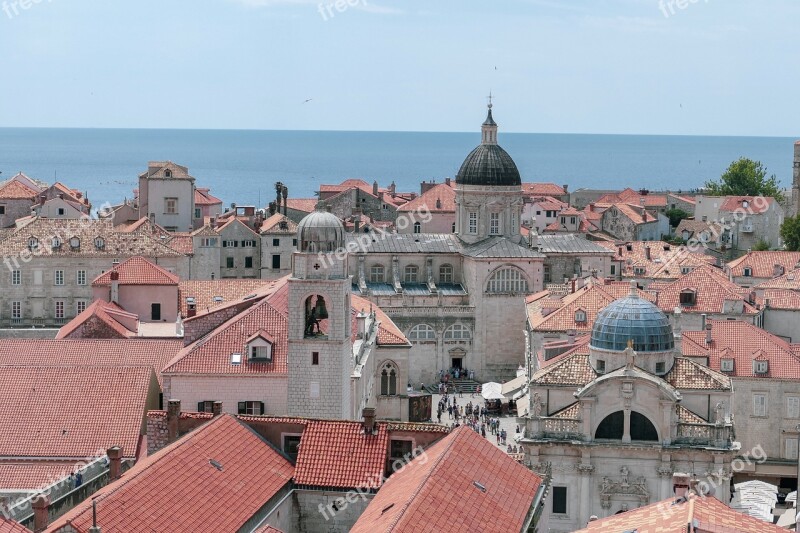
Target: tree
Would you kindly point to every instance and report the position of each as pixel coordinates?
(761, 246)
(675, 216)
(790, 233)
(746, 177)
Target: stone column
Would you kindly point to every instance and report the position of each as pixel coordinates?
(665, 484)
(586, 470)
(626, 426)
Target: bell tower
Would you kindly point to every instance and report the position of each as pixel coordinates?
(320, 346)
(794, 209)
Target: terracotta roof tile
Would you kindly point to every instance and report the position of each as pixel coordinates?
(14, 190)
(267, 529)
(74, 411)
(743, 342)
(181, 243)
(755, 205)
(438, 199)
(685, 416)
(272, 225)
(9, 526)
(138, 271)
(712, 289)
(571, 371)
(462, 483)
(388, 332)
(780, 298)
(765, 264)
(107, 314)
(686, 374)
(305, 205)
(542, 189)
(33, 475)
(112, 353)
(203, 197)
(359, 460)
(634, 213)
(668, 516)
(205, 291)
(571, 412)
(213, 479)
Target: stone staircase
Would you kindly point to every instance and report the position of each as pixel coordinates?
(461, 385)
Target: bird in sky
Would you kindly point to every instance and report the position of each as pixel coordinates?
(307, 101)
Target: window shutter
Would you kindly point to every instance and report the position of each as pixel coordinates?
(201, 406)
(224, 244)
(262, 407)
(242, 408)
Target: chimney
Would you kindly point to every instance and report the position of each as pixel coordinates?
(708, 334)
(647, 252)
(591, 207)
(447, 181)
(369, 420)
(571, 334)
(41, 512)
(375, 188)
(392, 189)
(438, 203)
(216, 408)
(114, 463)
(42, 199)
(620, 251)
(566, 188)
(115, 286)
(702, 321)
(173, 416)
(680, 484)
(95, 528)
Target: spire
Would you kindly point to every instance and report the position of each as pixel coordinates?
(489, 127)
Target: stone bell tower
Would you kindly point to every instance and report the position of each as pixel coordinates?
(320, 347)
(794, 209)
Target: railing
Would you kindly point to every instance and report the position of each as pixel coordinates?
(705, 434)
(561, 428)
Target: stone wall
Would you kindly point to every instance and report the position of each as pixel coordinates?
(314, 506)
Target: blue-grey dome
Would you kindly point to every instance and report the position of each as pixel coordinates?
(488, 164)
(320, 231)
(632, 318)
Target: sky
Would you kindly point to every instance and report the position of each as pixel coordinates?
(672, 67)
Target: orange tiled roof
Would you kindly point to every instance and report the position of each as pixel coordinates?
(204, 292)
(181, 243)
(634, 254)
(686, 374)
(388, 332)
(464, 484)
(706, 514)
(755, 205)
(712, 288)
(648, 200)
(71, 411)
(213, 479)
(359, 461)
(267, 529)
(790, 281)
(572, 371)
(33, 475)
(763, 264)
(306, 205)
(203, 197)
(113, 353)
(634, 213)
(780, 299)
(438, 199)
(9, 526)
(542, 189)
(14, 190)
(272, 225)
(107, 314)
(743, 342)
(685, 416)
(138, 271)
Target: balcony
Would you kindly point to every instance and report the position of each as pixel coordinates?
(719, 436)
(560, 428)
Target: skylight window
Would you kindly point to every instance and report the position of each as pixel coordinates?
(236, 359)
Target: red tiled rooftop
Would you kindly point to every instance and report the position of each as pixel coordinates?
(272, 225)
(306, 205)
(203, 197)
(205, 291)
(438, 199)
(104, 316)
(461, 483)
(542, 189)
(712, 289)
(754, 204)
(339, 454)
(138, 271)
(9, 526)
(33, 475)
(705, 514)
(765, 264)
(14, 190)
(179, 489)
(72, 411)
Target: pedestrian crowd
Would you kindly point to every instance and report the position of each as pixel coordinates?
(475, 417)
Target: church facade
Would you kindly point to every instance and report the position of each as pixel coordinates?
(458, 297)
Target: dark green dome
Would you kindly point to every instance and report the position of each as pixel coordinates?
(489, 165)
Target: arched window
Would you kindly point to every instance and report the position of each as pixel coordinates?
(315, 312)
(422, 332)
(457, 332)
(446, 274)
(411, 274)
(56, 243)
(168, 173)
(417, 227)
(508, 279)
(389, 380)
(612, 427)
(33, 244)
(100, 243)
(377, 274)
(580, 316)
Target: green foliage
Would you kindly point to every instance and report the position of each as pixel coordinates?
(761, 246)
(790, 233)
(746, 177)
(675, 216)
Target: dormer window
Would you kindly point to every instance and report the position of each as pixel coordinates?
(580, 316)
(760, 367)
(75, 243)
(639, 271)
(56, 243)
(748, 272)
(100, 243)
(688, 297)
(259, 347)
(33, 244)
(726, 365)
(168, 173)
(686, 270)
(629, 247)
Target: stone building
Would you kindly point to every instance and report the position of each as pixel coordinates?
(633, 223)
(278, 243)
(795, 206)
(434, 211)
(458, 297)
(754, 268)
(240, 250)
(613, 426)
(356, 196)
(17, 197)
(746, 219)
(167, 195)
(571, 256)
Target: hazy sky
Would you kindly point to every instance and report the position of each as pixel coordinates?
(721, 67)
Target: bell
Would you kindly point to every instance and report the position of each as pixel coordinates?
(322, 312)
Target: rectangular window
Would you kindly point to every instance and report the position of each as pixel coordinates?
(80, 306)
(170, 206)
(248, 262)
(291, 445)
(16, 310)
(793, 407)
(198, 213)
(613, 270)
(313, 389)
(205, 407)
(294, 243)
(400, 449)
(2, 210)
(61, 211)
(16, 277)
(81, 277)
(559, 500)
(494, 223)
(248, 244)
(276, 261)
(790, 449)
(59, 309)
(759, 405)
(229, 262)
(473, 223)
(207, 242)
(660, 367)
(230, 244)
(59, 277)
(276, 242)
(251, 408)
(314, 358)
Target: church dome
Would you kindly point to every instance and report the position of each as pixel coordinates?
(488, 164)
(320, 231)
(632, 318)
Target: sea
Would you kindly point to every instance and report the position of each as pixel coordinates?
(242, 166)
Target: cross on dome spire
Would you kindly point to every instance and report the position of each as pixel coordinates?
(489, 127)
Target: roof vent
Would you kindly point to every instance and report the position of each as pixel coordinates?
(387, 508)
(479, 486)
(216, 464)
